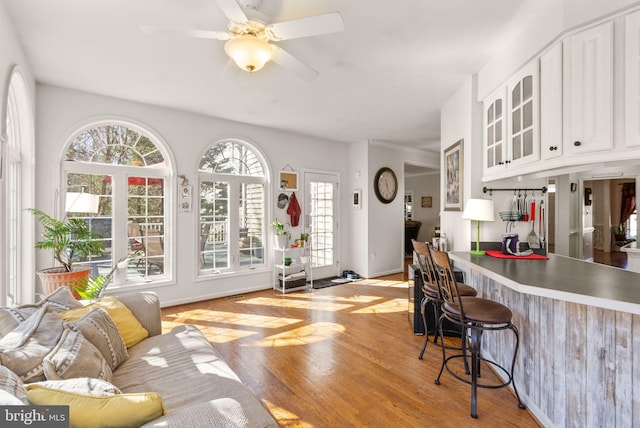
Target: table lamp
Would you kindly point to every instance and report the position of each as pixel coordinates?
(478, 210)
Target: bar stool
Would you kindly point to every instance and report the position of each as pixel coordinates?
(431, 291)
(474, 315)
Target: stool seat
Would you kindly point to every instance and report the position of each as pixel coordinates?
(466, 290)
(479, 310)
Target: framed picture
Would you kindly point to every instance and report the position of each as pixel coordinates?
(357, 199)
(453, 164)
(289, 180)
(427, 202)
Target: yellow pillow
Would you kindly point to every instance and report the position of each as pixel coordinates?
(88, 411)
(130, 328)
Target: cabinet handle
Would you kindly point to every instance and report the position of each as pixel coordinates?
(552, 148)
(507, 162)
(577, 143)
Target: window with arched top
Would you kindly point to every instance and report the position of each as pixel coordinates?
(16, 143)
(232, 180)
(124, 170)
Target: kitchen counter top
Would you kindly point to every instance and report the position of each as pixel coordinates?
(562, 278)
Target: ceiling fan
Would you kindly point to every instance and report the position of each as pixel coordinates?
(249, 42)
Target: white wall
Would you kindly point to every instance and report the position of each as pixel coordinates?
(357, 232)
(385, 251)
(459, 121)
(61, 111)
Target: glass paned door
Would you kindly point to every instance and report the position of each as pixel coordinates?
(322, 223)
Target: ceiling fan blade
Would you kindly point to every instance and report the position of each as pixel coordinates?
(305, 27)
(232, 11)
(293, 64)
(185, 32)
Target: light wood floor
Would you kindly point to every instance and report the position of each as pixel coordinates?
(343, 356)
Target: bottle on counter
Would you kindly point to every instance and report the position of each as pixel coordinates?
(442, 242)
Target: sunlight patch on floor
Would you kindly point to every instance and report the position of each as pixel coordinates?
(306, 335)
(300, 304)
(235, 318)
(383, 283)
(393, 305)
(352, 299)
(284, 417)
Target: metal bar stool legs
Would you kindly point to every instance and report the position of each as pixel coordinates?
(423, 309)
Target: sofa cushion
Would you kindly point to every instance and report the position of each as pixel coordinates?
(130, 328)
(81, 385)
(23, 349)
(184, 368)
(12, 388)
(219, 413)
(99, 329)
(75, 356)
(88, 411)
(60, 300)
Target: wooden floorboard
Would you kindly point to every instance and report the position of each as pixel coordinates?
(342, 356)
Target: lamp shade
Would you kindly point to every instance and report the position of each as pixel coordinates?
(249, 52)
(479, 210)
(81, 203)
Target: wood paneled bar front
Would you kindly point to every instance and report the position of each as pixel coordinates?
(579, 322)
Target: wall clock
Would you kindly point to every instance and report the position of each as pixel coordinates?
(385, 184)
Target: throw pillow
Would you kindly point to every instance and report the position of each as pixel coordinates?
(99, 329)
(12, 386)
(23, 349)
(75, 356)
(130, 328)
(80, 385)
(87, 411)
(60, 300)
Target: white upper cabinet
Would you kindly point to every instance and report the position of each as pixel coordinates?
(632, 80)
(523, 144)
(588, 90)
(495, 127)
(551, 103)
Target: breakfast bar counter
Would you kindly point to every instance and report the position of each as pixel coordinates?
(562, 278)
(578, 363)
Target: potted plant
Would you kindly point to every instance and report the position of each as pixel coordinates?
(68, 239)
(304, 237)
(281, 237)
(620, 233)
(93, 287)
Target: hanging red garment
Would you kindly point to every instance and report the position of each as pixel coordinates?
(294, 210)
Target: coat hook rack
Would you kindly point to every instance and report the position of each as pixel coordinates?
(486, 189)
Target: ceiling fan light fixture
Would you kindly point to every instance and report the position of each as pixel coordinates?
(249, 52)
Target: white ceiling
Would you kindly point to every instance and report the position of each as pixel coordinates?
(385, 78)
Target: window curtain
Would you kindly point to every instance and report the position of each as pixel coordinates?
(628, 201)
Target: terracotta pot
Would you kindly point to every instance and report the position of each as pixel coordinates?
(54, 278)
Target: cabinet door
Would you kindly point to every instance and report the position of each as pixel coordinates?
(495, 126)
(523, 143)
(551, 103)
(589, 90)
(632, 80)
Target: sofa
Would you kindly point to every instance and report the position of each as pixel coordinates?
(109, 362)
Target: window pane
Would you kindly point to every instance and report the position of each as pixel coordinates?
(145, 210)
(231, 157)
(251, 232)
(214, 221)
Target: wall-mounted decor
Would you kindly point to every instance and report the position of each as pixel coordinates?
(357, 199)
(427, 202)
(385, 185)
(288, 181)
(453, 164)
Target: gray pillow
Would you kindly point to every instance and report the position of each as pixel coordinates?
(11, 388)
(60, 300)
(75, 356)
(23, 349)
(82, 385)
(99, 329)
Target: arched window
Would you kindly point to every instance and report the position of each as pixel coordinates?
(16, 192)
(126, 167)
(232, 208)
